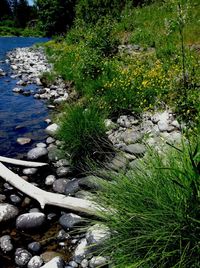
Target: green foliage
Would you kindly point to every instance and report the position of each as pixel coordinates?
(156, 211)
(55, 16)
(83, 133)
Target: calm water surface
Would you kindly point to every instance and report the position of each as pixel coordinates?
(17, 110)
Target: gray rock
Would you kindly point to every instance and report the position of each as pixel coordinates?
(117, 163)
(17, 90)
(70, 220)
(163, 126)
(123, 121)
(62, 163)
(31, 221)
(63, 171)
(56, 262)
(135, 164)
(30, 171)
(37, 153)
(109, 124)
(50, 180)
(34, 247)
(50, 140)
(54, 153)
(136, 149)
(15, 199)
(131, 137)
(22, 257)
(84, 263)
(73, 264)
(6, 243)
(98, 262)
(81, 251)
(23, 140)
(52, 129)
(72, 187)
(97, 234)
(176, 124)
(35, 262)
(7, 212)
(91, 183)
(41, 145)
(60, 185)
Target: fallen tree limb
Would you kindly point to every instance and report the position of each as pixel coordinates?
(47, 198)
(21, 162)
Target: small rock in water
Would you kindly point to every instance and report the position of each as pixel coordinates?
(26, 93)
(70, 220)
(35, 262)
(7, 212)
(31, 221)
(41, 145)
(22, 257)
(37, 153)
(17, 90)
(30, 171)
(34, 247)
(23, 141)
(6, 244)
(52, 129)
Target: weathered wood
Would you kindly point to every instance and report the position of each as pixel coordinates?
(21, 162)
(47, 198)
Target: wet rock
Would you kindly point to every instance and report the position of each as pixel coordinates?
(81, 251)
(72, 187)
(60, 185)
(52, 129)
(27, 93)
(7, 212)
(30, 171)
(22, 257)
(15, 199)
(17, 90)
(2, 73)
(31, 221)
(70, 220)
(6, 243)
(97, 234)
(37, 153)
(41, 145)
(50, 180)
(35, 262)
(23, 141)
(63, 171)
(136, 149)
(34, 247)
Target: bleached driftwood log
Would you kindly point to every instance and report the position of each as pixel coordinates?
(47, 198)
(21, 162)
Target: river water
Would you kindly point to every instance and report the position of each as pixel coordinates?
(20, 116)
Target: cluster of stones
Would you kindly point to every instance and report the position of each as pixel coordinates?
(27, 65)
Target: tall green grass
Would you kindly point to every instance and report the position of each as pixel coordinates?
(154, 211)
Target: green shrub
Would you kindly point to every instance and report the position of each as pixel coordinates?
(156, 217)
(83, 133)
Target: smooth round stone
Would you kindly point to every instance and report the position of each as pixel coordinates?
(23, 141)
(22, 257)
(52, 129)
(31, 221)
(50, 140)
(72, 187)
(15, 199)
(37, 153)
(6, 244)
(41, 145)
(98, 262)
(63, 171)
(60, 185)
(70, 220)
(30, 171)
(7, 212)
(50, 180)
(136, 149)
(34, 247)
(35, 262)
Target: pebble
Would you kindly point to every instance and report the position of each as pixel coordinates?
(84, 263)
(52, 129)
(35, 262)
(34, 247)
(97, 234)
(37, 153)
(72, 187)
(15, 199)
(41, 145)
(60, 185)
(136, 149)
(70, 220)
(7, 212)
(63, 171)
(50, 180)
(73, 264)
(50, 140)
(31, 221)
(23, 140)
(98, 262)
(81, 251)
(30, 171)
(22, 257)
(6, 243)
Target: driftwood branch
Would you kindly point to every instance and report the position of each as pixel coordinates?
(21, 162)
(47, 198)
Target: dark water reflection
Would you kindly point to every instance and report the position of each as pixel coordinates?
(25, 113)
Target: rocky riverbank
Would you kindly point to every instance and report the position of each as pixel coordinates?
(58, 247)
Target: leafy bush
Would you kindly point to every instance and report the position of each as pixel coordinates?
(83, 133)
(156, 211)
